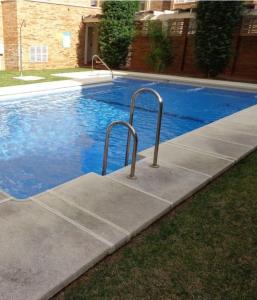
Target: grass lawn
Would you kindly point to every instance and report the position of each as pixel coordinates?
(205, 249)
(6, 77)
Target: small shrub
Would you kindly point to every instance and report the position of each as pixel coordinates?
(160, 55)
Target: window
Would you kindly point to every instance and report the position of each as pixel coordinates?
(249, 26)
(176, 27)
(93, 3)
(38, 53)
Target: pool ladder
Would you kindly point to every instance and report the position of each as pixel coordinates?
(132, 131)
(94, 57)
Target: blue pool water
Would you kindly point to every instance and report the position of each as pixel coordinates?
(50, 139)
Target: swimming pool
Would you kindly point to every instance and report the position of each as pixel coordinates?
(49, 139)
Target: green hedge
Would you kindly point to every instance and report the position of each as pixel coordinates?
(117, 30)
(216, 22)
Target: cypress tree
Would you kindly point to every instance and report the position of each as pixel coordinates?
(216, 22)
(117, 31)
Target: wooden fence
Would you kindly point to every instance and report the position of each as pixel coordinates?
(243, 65)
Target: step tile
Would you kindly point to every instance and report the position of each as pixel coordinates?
(127, 208)
(104, 229)
(3, 196)
(237, 126)
(190, 159)
(213, 146)
(246, 116)
(219, 131)
(169, 182)
(40, 252)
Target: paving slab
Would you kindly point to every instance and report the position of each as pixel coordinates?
(213, 146)
(221, 84)
(40, 252)
(29, 78)
(236, 126)
(246, 116)
(125, 207)
(3, 196)
(37, 87)
(190, 159)
(114, 235)
(168, 182)
(251, 109)
(220, 132)
(89, 81)
(84, 74)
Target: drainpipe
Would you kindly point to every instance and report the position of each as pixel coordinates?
(23, 24)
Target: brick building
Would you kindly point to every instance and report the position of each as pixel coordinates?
(53, 35)
(1, 42)
(57, 33)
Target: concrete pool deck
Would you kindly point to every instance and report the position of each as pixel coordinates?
(55, 86)
(54, 237)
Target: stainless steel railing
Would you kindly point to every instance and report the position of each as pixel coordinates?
(94, 57)
(106, 147)
(158, 128)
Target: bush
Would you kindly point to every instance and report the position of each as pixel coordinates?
(160, 55)
(117, 31)
(216, 22)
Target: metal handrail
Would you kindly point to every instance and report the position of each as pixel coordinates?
(106, 147)
(158, 128)
(99, 58)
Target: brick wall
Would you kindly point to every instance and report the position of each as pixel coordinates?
(1, 37)
(187, 5)
(10, 34)
(243, 66)
(45, 25)
(161, 4)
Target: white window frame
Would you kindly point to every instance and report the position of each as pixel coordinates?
(40, 54)
(94, 3)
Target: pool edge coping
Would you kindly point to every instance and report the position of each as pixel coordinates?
(28, 89)
(214, 83)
